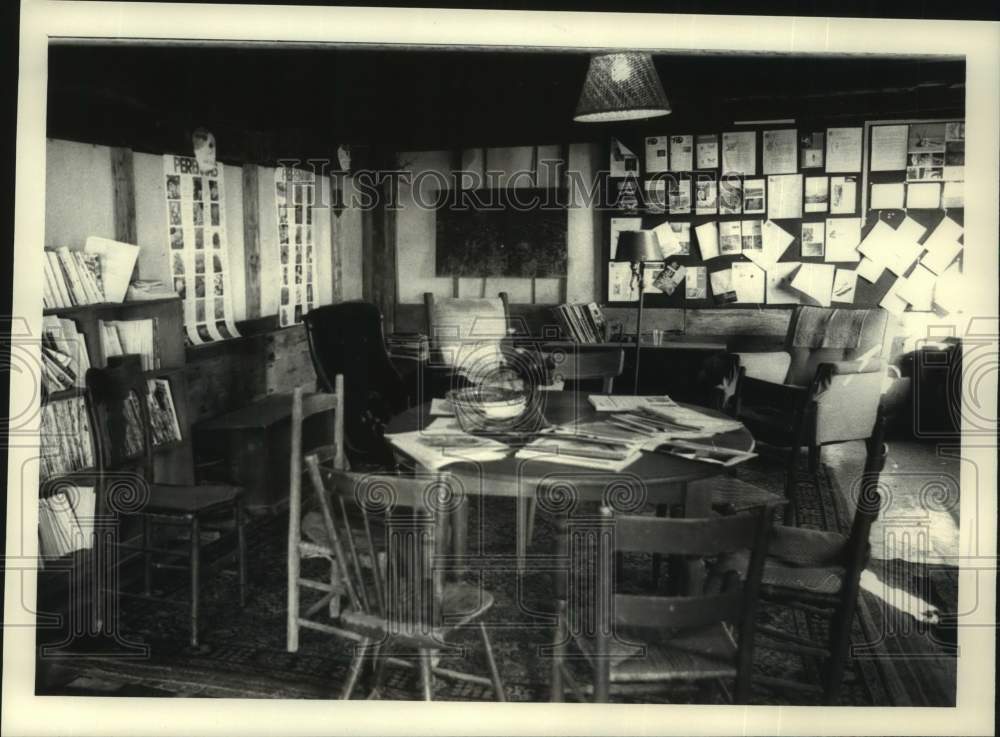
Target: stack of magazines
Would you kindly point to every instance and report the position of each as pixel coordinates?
(583, 323)
(443, 442)
(66, 522)
(66, 440)
(125, 337)
(413, 346)
(592, 445)
(71, 278)
(64, 355)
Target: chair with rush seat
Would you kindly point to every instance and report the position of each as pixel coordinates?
(638, 643)
(824, 388)
(346, 339)
(468, 339)
(118, 399)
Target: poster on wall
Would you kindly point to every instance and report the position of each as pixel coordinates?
(294, 196)
(199, 259)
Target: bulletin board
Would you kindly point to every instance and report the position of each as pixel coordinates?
(823, 175)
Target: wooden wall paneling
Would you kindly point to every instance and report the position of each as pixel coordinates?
(123, 191)
(564, 155)
(752, 321)
(251, 239)
(388, 292)
(458, 181)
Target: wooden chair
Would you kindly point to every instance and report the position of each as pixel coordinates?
(306, 538)
(117, 399)
(819, 572)
(637, 643)
(586, 363)
(468, 339)
(402, 602)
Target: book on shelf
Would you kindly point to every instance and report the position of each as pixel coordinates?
(72, 278)
(124, 337)
(163, 413)
(143, 290)
(67, 444)
(582, 323)
(66, 521)
(64, 355)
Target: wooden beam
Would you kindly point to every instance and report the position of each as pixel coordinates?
(123, 186)
(336, 241)
(378, 238)
(251, 238)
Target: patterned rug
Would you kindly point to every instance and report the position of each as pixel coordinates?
(244, 653)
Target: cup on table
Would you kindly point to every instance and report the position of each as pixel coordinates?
(656, 337)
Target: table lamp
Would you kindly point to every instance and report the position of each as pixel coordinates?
(637, 247)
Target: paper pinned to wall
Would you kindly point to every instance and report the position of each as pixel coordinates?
(842, 238)
(681, 153)
(722, 286)
(779, 277)
(887, 196)
(870, 270)
(707, 150)
(656, 195)
(669, 244)
(696, 282)
(679, 196)
(739, 153)
(708, 240)
(923, 195)
(942, 246)
(954, 195)
(843, 195)
(621, 286)
(815, 281)
(817, 194)
(895, 249)
(843, 149)
(751, 236)
(918, 288)
(892, 302)
(780, 151)
(784, 196)
(889, 147)
(656, 154)
(845, 282)
(754, 196)
(775, 241)
(706, 197)
(117, 262)
(619, 226)
(813, 239)
(669, 278)
(749, 282)
(623, 161)
(949, 291)
(730, 239)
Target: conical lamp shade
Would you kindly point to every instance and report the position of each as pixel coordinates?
(621, 87)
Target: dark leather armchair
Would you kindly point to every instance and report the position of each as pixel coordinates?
(347, 339)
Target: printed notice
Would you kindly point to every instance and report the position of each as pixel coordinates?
(889, 147)
(780, 151)
(749, 282)
(706, 197)
(730, 238)
(811, 145)
(842, 238)
(623, 162)
(708, 240)
(656, 154)
(707, 151)
(679, 196)
(696, 282)
(722, 286)
(813, 239)
(739, 153)
(843, 149)
(618, 226)
(784, 196)
(681, 153)
(817, 194)
(751, 235)
(754, 197)
(887, 196)
(843, 195)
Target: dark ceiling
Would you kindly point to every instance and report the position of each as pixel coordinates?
(263, 103)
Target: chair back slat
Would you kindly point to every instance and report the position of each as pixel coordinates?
(695, 537)
(677, 612)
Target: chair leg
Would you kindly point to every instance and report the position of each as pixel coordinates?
(661, 511)
(791, 478)
(529, 532)
(380, 662)
(815, 456)
(840, 642)
(426, 674)
(354, 671)
(241, 549)
(147, 557)
(491, 661)
(195, 578)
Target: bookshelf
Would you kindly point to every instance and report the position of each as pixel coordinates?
(173, 460)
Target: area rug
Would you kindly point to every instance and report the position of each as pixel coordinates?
(244, 653)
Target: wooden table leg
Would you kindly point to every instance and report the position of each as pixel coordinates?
(696, 506)
(195, 578)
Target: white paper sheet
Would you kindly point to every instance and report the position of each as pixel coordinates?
(845, 282)
(696, 282)
(954, 195)
(623, 161)
(888, 147)
(679, 197)
(117, 262)
(813, 239)
(923, 195)
(708, 240)
(776, 241)
(918, 288)
(669, 278)
(949, 292)
(870, 270)
(941, 255)
(815, 281)
(749, 281)
(817, 194)
(730, 238)
(656, 154)
(784, 196)
(754, 196)
(707, 150)
(706, 197)
(681, 153)
(669, 244)
(843, 149)
(780, 151)
(892, 302)
(620, 285)
(722, 286)
(843, 195)
(739, 153)
(842, 238)
(812, 150)
(887, 196)
(779, 277)
(751, 236)
(656, 195)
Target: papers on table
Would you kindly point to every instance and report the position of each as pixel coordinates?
(842, 238)
(784, 196)
(616, 403)
(708, 240)
(843, 149)
(705, 453)
(443, 442)
(748, 282)
(573, 448)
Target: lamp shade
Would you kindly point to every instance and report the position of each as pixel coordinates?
(636, 246)
(621, 87)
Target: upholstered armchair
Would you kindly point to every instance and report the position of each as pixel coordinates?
(823, 388)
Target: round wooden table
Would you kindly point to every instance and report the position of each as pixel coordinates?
(558, 488)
